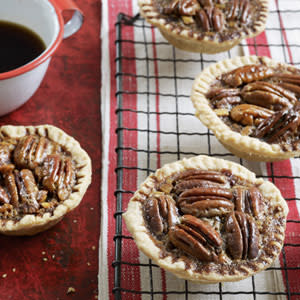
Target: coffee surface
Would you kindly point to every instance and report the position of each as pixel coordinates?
(19, 46)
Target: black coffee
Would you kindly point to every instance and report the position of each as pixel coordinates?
(18, 46)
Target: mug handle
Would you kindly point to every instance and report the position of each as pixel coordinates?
(75, 23)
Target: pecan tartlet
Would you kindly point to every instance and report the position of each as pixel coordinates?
(208, 220)
(252, 106)
(44, 174)
(208, 26)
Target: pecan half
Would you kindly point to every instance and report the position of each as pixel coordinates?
(197, 178)
(221, 93)
(224, 98)
(210, 19)
(242, 236)
(21, 191)
(10, 183)
(182, 7)
(283, 125)
(206, 3)
(290, 82)
(5, 158)
(57, 174)
(197, 238)
(268, 95)
(160, 213)
(248, 200)
(184, 185)
(248, 114)
(213, 176)
(28, 190)
(246, 74)
(4, 198)
(206, 202)
(31, 151)
(239, 10)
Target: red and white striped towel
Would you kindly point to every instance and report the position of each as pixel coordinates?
(150, 90)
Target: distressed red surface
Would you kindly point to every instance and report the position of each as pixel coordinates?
(47, 264)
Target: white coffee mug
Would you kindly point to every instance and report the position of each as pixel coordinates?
(44, 17)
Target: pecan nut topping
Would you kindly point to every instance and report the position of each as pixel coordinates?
(248, 114)
(197, 238)
(21, 191)
(268, 95)
(182, 7)
(247, 74)
(6, 164)
(203, 193)
(248, 200)
(30, 151)
(206, 201)
(161, 213)
(287, 78)
(28, 190)
(239, 10)
(210, 19)
(57, 175)
(242, 236)
(224, 98)
(205, 3)
(183, 185)
(4, 198)
(194, 179)
(281, 126)
(289, 82)
(209, 175)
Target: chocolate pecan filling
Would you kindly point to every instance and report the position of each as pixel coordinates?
(212, 220)
(36, 175)
(224, 19)
(261, 102)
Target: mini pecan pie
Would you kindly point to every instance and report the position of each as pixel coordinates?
(208, 220)
(44, 174)
(252, 106)
(208, 26)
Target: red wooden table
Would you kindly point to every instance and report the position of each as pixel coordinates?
(62, 263)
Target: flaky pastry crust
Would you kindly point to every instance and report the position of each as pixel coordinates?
(241, 145)
(31, 224)
(181, 38)
(135, 221)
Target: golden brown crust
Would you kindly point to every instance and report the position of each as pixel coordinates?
(182, 39)
(31, 224)
(242, 146)
(136, 224)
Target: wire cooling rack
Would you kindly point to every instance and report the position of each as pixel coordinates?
(135, 161)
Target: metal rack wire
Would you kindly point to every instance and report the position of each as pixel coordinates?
(135, 162)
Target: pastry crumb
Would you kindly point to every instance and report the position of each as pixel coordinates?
(43, 252)
(45, 259)
(92, 208)
(74, 221)
(93, 247)
(4, 275)
(71, 290)
(14, 269)
(88, 263)
(53, 256)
